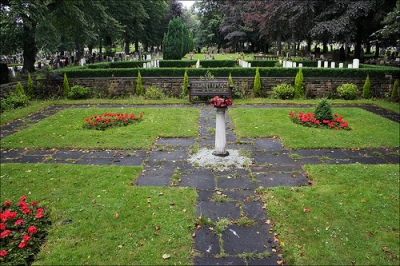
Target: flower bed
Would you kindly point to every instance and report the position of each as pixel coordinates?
(107, 120)
(23, 228)
(307, 119)
(221, 102)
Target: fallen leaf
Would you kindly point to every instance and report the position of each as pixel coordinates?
(306, 209)
(279, 262)
(94, 201)
(303, 229)
(299, 247)
(116, 215)
(211, 228)
(120, 246)
(28, 171)
(172, 203)
(268, 222)
(363, 201)
(166, 256)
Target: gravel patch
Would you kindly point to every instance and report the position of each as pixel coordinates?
(205, 158)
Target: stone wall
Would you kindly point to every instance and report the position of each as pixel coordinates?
(120, 87)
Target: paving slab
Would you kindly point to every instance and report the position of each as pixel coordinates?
(206, 242)
(218, 210)
(200, 180)
(242, 239)
(219, 261)
(279, 179)
(236, 182)
(268, 144)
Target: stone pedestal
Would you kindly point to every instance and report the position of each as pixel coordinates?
(220, 134)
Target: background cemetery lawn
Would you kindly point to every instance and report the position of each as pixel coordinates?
(64, 129)
(99, 217)
(368, 130)
(349, 216)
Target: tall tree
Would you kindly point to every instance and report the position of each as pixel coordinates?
(175, 40)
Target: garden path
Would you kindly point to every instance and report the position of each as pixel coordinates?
(228, 195)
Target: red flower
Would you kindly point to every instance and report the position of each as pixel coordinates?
(19, 222)
(23, 244)
(7, 203)
(94, 124)
(39, 215)
(317, 122)
(7, 214)
(32, 229)
(3, 253)
(2, 226)
(33, 203)
(23, 198)
(141, 114)
(26, 238)
(5, 233)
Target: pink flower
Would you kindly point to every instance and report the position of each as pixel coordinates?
(23, 198)
(7, 203)
(5, 233)
(2, 226)
(3, 253)
(23, 244)
(33, 203)
(19, 222)
(32, 229)
(26, 238)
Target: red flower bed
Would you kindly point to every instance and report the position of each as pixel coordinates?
(23, 228)
(307, 119)
(107, 120)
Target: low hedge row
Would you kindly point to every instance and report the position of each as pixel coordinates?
(235, 72)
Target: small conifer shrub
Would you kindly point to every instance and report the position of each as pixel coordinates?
(395, 91)
(323, 110)
(299, 85)
(139, 85)
(257, 84)
(67, 88)
(366, 93)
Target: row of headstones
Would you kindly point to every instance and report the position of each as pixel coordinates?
(152, 64)
(243, 63)
(356, 64)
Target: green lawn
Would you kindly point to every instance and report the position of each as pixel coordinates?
(64, 130)
(350, 216)
(113, 222)
(368, 130)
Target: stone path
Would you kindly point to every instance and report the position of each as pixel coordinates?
(232, 225)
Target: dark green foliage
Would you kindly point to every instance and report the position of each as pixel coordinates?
(176, 40)
(395, 91)
(224, 72)
(139, 85)
(257, 84)
(299, 85)
(78, 92)
(323, 110)
(67, 89)
(347, 91)
(366, 92)
(283, 91)
(29, 86)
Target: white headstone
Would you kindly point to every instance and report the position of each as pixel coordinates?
(325, 64)
(340, 65)
(148, 57)
(144, 65)
(248, 64)
(319, 63)
(294, 64)
(350, 65)
(332, 64)
(300, 65)
(356, 63)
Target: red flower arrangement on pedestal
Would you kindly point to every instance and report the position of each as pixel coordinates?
(23, 228)
(221, 102)
(307, 119)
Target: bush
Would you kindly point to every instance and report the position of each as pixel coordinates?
(283, 91)
(185, 90)
(299, 85)
(323, 110)
(67, 89)
(257, 84)
(347, 91)
(79, 92)
(366, 92)
(154, 93)
(30, 86)
(139, 85)
(15, 99)
(395, 91)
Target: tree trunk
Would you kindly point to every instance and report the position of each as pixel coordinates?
(294, 43)
(279, 43)
(377, 49)
(357, 46)
(30, 49)
(127, 44)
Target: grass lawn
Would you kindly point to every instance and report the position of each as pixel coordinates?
(64, 130)
(368, 130)
(350, 216)
(113, 222)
